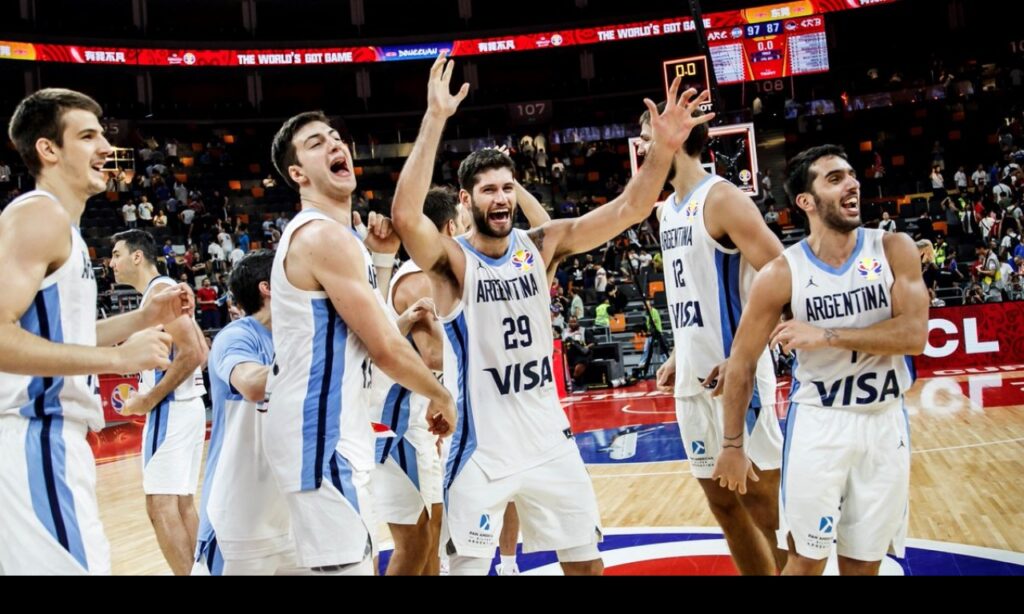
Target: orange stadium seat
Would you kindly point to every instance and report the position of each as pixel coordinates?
(617, 323)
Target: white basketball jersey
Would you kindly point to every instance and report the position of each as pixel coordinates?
(63, 311)
(319, 383)
(193, 386)
(398, 408)
(241, 502)
(497, 364)
(855, 295)
(707, 286)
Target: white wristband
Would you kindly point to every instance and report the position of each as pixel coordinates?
(383, 260)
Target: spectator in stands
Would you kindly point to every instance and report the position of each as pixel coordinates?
(655, 341)
(5, 173)
(145, 211)
(979, 178)
(243, 241)
(225, 240)
(1015, 291)
(180, 192)
(558, 178)
(576, 304)
(128, 212)
(206, 299)
(236, 254)
(160, 221)
(579, 346)
(188, 217)
(988, 268)
(887, 224)
(938, 182)
(1011, 239)
(557, 320)
(960, 179)
(617, 299)
(602, 317)
(974, 295)
(600, 280)
(217, 258)
(269, 182)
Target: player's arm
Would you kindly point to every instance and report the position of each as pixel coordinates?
(439, 256)
(250, 380)
(559, 238)
(34, 240)
(164, 306)
(235, 358)
(426, 333)
(190, 354)
(331, 255)
(383, 242)
(731, 213)
(769, 294)
(535, 212)
(904, 334)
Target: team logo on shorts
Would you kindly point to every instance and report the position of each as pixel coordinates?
(485, 522)
(869, 268)
(691, 208)
(697, 447)
(522, 260)
(120, 396)
(825, 525)
(745, 176)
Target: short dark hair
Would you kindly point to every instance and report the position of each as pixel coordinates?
(441, 205)
(479, 162)
(798, 172)
(140, 240)
(698, 139)
(245, 280)
(282, 151)
(41, 116)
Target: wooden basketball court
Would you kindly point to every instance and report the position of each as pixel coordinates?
(968, 456)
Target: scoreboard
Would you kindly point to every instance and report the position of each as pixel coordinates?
(769, 49)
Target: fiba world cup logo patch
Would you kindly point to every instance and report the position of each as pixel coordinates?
(691, 208)
(745, 176)
(869, 268)
(120, 396)
(522, 260)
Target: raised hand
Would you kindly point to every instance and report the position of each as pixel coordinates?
(672, 126)
(439, 94)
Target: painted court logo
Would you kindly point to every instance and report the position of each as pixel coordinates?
(522, 260)
(869, 268)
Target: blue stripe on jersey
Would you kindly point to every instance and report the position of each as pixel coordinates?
(321, 411)
(43, 319)
(155, 431)
(729, 308)
(341, 477)
(209, 554)
(217, 429)
(396, 416)
(910, 369)
(790, 421)
(464, 437)
(405, 455)
(491, 261)
(52, 500)
(829, 268)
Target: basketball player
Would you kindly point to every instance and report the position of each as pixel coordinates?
(244, 527)
(859, 308)
(329, 322)
(172, 401)
(407, 484)
(713, 239)
(512, 441)
(48, 343)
